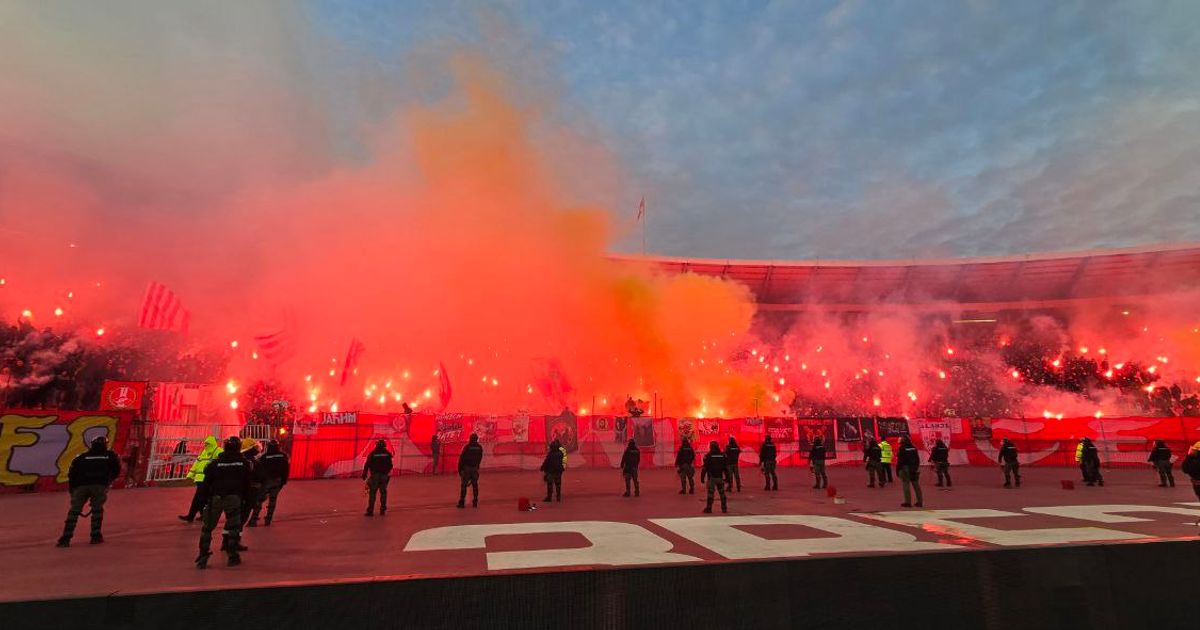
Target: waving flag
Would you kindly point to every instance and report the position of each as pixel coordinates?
(279, 345)
(443, 386)
(642, 209)
(162, 310)
(352, 357)
(552, 380)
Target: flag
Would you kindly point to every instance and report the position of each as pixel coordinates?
(168, 402)
(122, 395)
(279, 345)
(443, 386)
(162, 310)
(642, 209)
(352, 356)
(552, 382)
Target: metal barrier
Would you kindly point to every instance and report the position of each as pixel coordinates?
(174, 447)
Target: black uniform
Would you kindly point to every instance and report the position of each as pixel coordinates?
(685, 465)
(766, 457)
(552, 471)
(1090, 461)
(272, 470)
(229, 478)
(816, 462)
(873, 456)
(716, 472)
(733, 453)
(377, 472)
(908, 468)
(939, 456)
(88, 479)
(1009, 462)
(468, 471)
(1191, 468)
(1160, 456)
(630, 462)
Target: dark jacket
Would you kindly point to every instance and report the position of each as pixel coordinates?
(96, 467)
(1160, 454)
(228, 474)
(273, 464)
(471, 456)
(715, 465)
(816, 453)
(1191, 466)
(908, 456)
(732, 454)
(767, 452)
(940, 454)
(553, 464)
(686, 456)
(631, 459)
(1008, 454)
(379, 462)
(1091, 455)
(872, 454)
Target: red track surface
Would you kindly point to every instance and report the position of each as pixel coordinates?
(320, 533)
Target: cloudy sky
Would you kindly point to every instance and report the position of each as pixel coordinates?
(826, 129)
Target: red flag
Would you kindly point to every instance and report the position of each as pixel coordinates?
(443, 386)
(122, 395)
(280, 345)
(553, 382)
(162, 310)
(352, 356)
(642, 209)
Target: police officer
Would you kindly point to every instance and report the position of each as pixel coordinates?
(732, 454)
(552, 471)
(685, 466)
(208, 452)
(908, 468)
(272, 470)
(630, 462)
(716, 471)
(872, 456)
(816, 463)
(1009, 463)
(1090, 460)
(939, 457)
(1160, 458)
(228, 478)
(377, 471)
(885, 461)
(766, 457)
(1191, 467)
(250, 453)
(468, 471)
(88, 479)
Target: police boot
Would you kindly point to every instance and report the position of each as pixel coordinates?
(267, 522)
(253, 522)
(234, 560)
(462, 503)
(96, 539)
(63, 541)
(708, 507)
(724, 507)
(202, 559)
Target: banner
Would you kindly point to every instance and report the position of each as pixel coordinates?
(781, 429)
(37, 446)
(848, 430)
(686, 429)
(643, 431)
(122, 395)
(892, 428)
(929, 431)
(520, 428)
(486, 428)
(807, 430)
(450, 427)
(562, 428)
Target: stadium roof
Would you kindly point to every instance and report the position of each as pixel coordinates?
(980, 284)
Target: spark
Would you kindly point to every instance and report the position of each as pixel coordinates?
(254, 356)
(876, 401)
(332, 372)
(941, 374)
(233, 344)
(1015, 374)
(231, 387)
(27, 314)
(428, 394)
(233, 404)
(782, 382)
(333, 407)
(58, 312)
(100, 332)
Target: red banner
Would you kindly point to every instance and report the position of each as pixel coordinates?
(122, 395)
(37, 446)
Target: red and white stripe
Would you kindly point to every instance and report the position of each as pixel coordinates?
(279, 346)
(162, 310)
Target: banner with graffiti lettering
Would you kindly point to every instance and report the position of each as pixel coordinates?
(37, 446)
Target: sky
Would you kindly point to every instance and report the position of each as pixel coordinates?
(770, 130)
(855, 129)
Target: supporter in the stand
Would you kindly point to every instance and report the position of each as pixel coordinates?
(208, 452)
(733, 454)
(1160, 458)
(377, 472)
(630, 461)
(872, 455)
(1091, 462)
(685, 466)
(908, 468)
(552, 471)
(816, 463)
(716, 472)
(435, 452)
(766, 457)
(88, 479)
(939, 456)
(273, 469)
(468, 471)
(1009, 463)
(885, 460)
